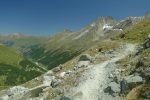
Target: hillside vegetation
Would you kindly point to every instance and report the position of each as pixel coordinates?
(15, 69)
(137, 33)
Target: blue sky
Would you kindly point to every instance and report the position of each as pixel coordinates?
(45, 17)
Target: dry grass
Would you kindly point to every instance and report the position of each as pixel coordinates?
(33, 83)
(134, 93)
(71, 81)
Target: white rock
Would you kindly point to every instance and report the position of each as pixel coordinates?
(149, 36)
(69, 72)
(47, 80)
(111, 76)
(115, 87)
(133, 79)
(83, 64)
(50, 72)
(62, 74)
(5, 97)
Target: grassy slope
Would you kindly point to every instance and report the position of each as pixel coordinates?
(55, 51)
(8, 56)
(14, 69)
(138, 32)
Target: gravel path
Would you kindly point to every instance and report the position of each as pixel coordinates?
(97, 78)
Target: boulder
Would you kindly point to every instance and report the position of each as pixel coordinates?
(50, 72)
(107, 90)
(47, 80)
(83, 64)
(62, 74)
(85, 57)
(134, 79)
(55, 83)
(57, 69)
(115, 88)
(123, 86)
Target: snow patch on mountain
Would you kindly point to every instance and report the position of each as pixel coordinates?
(106, 26)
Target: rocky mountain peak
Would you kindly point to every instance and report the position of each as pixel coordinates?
(106, 20)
